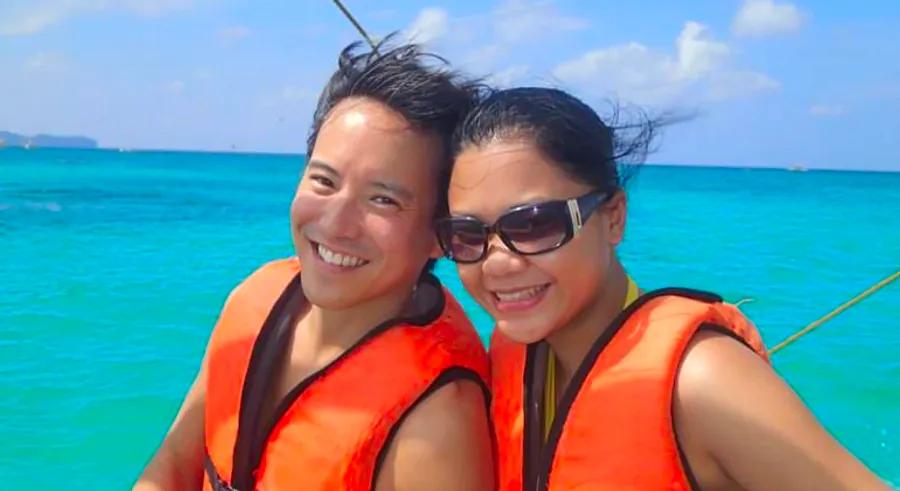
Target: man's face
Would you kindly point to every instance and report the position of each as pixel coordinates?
(361, 219)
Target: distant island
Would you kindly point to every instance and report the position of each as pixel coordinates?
(8, 139)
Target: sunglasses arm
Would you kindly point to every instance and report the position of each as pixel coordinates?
(575, 214)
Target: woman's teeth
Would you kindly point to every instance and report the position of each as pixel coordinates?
(519, 295)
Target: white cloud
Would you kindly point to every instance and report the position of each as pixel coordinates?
(630, 70)
(484, 56)
(698, 53)
(734, 84)
(486, 39)
(524, 20)
(825, 110)
(513, 22)
(430, 25)
(234, 33)
(509, 77)
(699, 69)
(758, 18)
(22, 17)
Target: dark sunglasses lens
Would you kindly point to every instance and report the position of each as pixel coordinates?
(462, 240)
(536, 229)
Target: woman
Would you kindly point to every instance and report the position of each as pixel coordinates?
(596, 385)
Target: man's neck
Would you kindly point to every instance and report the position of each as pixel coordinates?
(341, 329)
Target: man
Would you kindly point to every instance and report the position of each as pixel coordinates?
(359, 372)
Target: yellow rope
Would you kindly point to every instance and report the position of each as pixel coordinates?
(743, 301)
(356, 24)
(874, 288)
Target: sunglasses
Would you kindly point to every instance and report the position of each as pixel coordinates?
(527, 229)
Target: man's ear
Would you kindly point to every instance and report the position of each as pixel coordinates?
(436, 251)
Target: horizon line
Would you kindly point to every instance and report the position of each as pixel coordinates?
(790, 168)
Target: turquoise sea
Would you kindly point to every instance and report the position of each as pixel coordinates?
(113, 267)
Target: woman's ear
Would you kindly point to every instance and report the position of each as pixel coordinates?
(617, 208)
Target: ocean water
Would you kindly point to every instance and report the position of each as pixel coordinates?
(113, 267)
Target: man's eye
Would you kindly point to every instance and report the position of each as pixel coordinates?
(322, 181)
(386, 201)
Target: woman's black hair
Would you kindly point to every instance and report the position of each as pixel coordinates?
(417, 84)
(601, 154)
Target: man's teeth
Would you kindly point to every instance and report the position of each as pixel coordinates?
(338, 259)
(520, 294)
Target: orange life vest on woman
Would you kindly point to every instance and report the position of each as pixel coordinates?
(332, 430)
(613, 429)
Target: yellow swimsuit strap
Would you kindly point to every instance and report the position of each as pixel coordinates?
(550, 383)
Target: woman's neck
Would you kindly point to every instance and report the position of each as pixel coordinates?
(571, 343)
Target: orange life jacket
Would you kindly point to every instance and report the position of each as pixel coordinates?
(332, 430)
(613, 429)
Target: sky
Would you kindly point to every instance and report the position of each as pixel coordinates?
(772, 83)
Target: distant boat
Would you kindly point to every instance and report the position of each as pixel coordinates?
(797, 168)
(28, 144)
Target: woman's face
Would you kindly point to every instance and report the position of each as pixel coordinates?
(531, 296)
